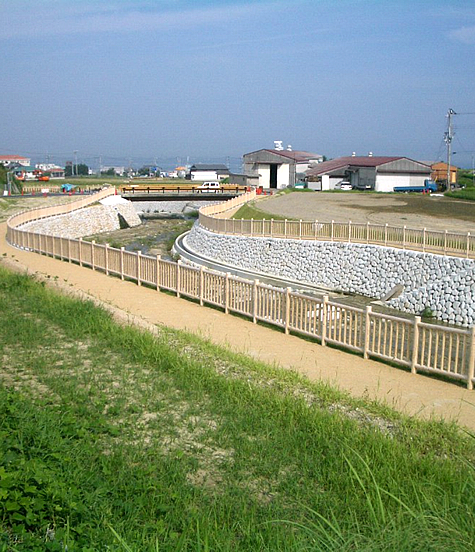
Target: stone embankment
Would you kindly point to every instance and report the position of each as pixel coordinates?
(88, 221)
(443, 285)
(174, 207)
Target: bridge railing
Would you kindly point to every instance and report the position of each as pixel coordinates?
(417, 239)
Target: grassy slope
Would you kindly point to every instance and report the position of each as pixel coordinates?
(111, 436)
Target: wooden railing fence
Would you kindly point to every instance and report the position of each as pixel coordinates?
(414, 344)
(416, 239)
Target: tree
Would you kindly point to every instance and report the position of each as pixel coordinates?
(109, 172)
(73, 170)
(3, 177)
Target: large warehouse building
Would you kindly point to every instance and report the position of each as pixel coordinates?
(279, 168)
(381, 174)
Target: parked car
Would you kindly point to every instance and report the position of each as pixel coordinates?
(343, 185)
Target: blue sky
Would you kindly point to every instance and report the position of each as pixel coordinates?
(210, 79)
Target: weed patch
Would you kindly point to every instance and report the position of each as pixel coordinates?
(114, 439)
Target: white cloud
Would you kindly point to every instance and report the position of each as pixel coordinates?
(54, 19)
(464, 34)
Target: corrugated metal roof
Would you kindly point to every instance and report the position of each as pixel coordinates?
(298, 156)
(355, 161)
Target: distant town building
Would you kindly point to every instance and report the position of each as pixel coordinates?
(51, 169)
(8, 160)
(279, 168)
(203, 172)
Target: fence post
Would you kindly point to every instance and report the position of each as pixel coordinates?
(367, 232)
(255, 300)
(271, 227)
(404, 237)
(331, 235)
(122, 263)
(93, 243)
(106, 258)
(53, 242)
(157, 269)
(445, 243)
(324, 319)
(367, 331)
(69, 250)
(468, 244)
(285, 228)
(139, 263)
(349, 231)
(415, 344)
(80, 251)
(226, 294)
(202, 282)
(178, 274)
(316, 229)
(386, 234)
(300, 229)
(242, 221)
(60, 247)
(252, 225)
(287, 311)
(471, 360)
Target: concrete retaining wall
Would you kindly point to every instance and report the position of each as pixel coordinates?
(445, 285)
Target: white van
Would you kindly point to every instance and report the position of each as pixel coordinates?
(209, 187)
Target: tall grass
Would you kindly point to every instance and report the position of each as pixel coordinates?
(113, 439)
(465, 193)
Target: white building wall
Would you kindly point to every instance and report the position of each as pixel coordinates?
(325, 182)
(387, 182)
(283, 176)
(264, 175)
(203, 176)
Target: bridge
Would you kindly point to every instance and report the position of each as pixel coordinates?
(187, 192)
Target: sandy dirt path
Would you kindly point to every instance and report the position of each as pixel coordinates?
(412, 394)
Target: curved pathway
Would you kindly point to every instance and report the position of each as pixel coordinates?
(412, 394)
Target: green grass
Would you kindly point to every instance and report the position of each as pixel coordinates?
(465, 193)
(250, 211)
(113, 439)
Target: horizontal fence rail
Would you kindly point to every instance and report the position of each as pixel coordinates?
(428, 241)
(414, 344)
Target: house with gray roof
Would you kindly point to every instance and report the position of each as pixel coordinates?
(203, 172)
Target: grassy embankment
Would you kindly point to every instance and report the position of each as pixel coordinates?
(112, 439)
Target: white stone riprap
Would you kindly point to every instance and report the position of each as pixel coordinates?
(170, 206)
(445, 285)
(85, 222)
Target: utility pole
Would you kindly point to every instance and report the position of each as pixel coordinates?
(448, 140)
